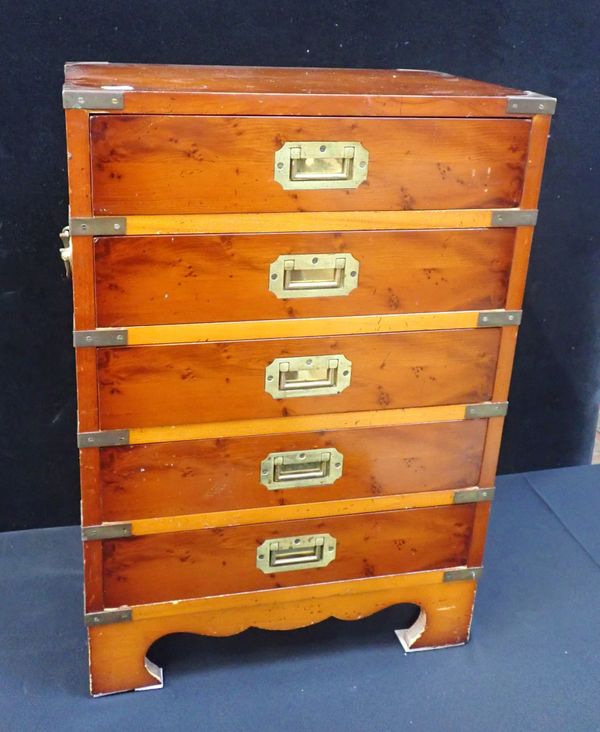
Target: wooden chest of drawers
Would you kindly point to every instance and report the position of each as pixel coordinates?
(296, 294)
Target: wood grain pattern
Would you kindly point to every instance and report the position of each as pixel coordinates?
(117, 652)
(175, 478)
(275, 79)
(161, 385)
(193, 279)
(222, 561)
(304, 221)
(250, 90)
(225, 103)
(185, 164)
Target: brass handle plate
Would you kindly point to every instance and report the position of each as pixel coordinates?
(313, 275)
(296, 552)
(308, 376)
(303, 469)
(318, 165)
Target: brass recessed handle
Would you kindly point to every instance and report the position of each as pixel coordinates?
(327, 164)
(307, 376)
(301, 469)
(313, 275)
(296, 552)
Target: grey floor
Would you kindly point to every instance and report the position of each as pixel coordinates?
(533, 662)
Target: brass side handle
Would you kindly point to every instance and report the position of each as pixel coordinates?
(313, 275)
(66, 251)
(301, 469)
(318, 165)
(296, 552)
(308, 376)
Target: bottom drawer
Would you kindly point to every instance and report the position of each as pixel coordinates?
(189, 564)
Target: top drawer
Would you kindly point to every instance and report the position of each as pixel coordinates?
(163, 164)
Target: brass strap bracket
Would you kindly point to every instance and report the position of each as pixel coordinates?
(103, 438)
(106, 531)
(105, 617)
(509, 217)
(100, 337)
(487, 409)
(98, 226)
(93, 99)
(499, 318)
(461, 575)
(474, 495)
(531, 103)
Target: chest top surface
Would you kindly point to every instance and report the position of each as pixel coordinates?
(140, 88)
(252, 79)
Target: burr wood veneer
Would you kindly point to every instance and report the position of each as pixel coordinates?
(296, 300)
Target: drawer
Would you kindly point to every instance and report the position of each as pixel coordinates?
(187, 279)
(148, 386)
(223, 561)
(202, 476)
(164, 164)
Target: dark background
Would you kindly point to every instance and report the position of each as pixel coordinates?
(547, 47)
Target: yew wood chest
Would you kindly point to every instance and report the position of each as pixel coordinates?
(297, 295)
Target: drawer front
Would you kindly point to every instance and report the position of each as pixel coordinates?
(213, 382)
(163, 164)
(223, 561)
(187, 279)
(202, 476)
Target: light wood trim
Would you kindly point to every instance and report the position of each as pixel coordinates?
(86, 365)
(301, 423)
(480, 526)
(506, 356)
(309, 221)
(344, 588)
(84, 315)
(190, 522)
(538, 141)
(518, 270)
(298, 327)
(89, 470)
(491, 452)
(78, 162)
(84, 303)
(93, 596)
